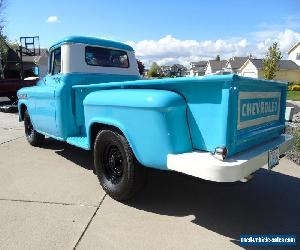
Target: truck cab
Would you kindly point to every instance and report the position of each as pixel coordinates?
(220, 128)
(71, 63)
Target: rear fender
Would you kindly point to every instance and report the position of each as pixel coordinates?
(153, 121)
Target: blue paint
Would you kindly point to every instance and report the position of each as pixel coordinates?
(153, 121)
(158, 117)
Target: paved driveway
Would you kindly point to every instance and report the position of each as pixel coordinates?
(50, 199)
(295, 104)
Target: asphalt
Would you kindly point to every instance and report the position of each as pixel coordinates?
(50, 199)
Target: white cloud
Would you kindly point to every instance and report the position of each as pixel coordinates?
(169, 50)
(286, 39)
(52, 19)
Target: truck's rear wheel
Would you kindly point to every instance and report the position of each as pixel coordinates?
(118, 171)
(33, 137)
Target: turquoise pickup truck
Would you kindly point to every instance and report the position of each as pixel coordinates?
(220, 128)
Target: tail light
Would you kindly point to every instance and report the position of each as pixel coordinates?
(221, 153)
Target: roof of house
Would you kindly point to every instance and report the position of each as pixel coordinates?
(283, 64)
(92, 41)
(237, 61)
(217, 65)
(199, 67)
(294, 47)
(199, 64)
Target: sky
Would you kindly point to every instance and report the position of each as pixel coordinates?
(163, 31)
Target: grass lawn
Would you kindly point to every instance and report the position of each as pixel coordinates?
(293, 95)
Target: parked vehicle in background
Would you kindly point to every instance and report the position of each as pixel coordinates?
(23, 67)
(10, 87)
(220, 128)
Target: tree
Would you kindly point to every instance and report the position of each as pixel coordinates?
(154, 70)
(141, 67)
(3, 38)
(5, 46)
(2, 20)
(271, 62)
(218, 58)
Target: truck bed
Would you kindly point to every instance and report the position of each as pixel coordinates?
(214, 108)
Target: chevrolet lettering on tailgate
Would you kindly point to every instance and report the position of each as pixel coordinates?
(256, 108)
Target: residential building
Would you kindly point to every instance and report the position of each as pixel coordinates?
(215, 66)
(198, 68)
(234, 64)
(178, 70)
(289, 71)
(165, 70)
(294, 53)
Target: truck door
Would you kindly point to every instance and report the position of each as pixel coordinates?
(46, 98)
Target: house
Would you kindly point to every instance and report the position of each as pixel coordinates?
(198, 68)
(289, 71)
(178, 70)
(234, 64)
(215, 66)
(165, 70)
(294, 53)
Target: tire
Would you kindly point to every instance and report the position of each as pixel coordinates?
(118, 171)
(33, 137)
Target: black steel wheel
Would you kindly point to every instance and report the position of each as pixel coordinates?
(113, 163)
(118, 171)
(33, 137)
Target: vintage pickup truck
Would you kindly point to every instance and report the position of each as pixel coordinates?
(220, 128)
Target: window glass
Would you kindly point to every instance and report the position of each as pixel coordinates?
(56, 61)
(98, 56)
(298, 56)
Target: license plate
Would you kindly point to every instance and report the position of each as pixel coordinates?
(273, 158)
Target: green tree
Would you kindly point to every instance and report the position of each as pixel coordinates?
(3, 38)
(5, 45)
(218, 58)
(141, 67)
(271, 62)
(154, 70)
(2, 19)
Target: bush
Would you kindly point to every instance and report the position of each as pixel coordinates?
(294, 87)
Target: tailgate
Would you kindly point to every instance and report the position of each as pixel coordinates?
(259, 108)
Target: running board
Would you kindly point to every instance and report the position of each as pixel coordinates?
(81, 142)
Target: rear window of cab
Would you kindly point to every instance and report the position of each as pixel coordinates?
(97, 56)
